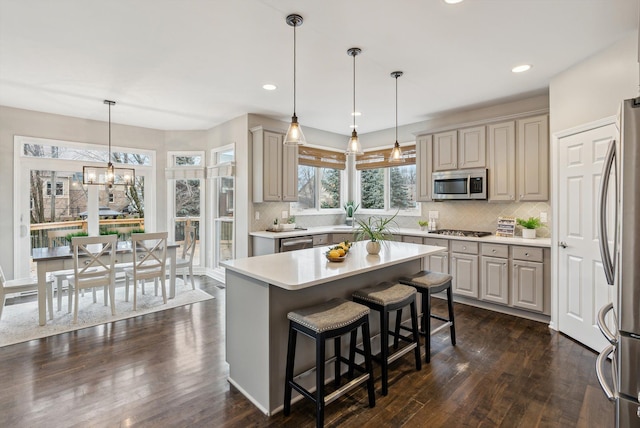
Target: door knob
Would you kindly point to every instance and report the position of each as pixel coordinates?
(562, 244)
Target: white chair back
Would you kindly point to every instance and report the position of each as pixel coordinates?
(94, 259)
(189, 243)
(150, 250)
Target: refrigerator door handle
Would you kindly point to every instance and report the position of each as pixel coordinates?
(608, 262)
(609, 391)
(602, 324)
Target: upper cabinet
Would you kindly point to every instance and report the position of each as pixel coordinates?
(445, 151)
(472, 148)
(502, 162)
(275, 168)
(533, 159)
(461, 149)
(424, 149)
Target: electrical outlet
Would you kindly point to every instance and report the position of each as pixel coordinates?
(434, 214)
(257, 215)
(285, 214)
(543, 216)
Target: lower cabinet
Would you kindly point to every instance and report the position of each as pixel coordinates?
(464, 269)
(438, 262)
(528, 285)
(494, 273)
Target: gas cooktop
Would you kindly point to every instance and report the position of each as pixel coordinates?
(453, 232)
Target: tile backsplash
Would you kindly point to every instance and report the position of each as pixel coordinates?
(464, 215)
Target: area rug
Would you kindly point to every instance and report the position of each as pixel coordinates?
(19, 322)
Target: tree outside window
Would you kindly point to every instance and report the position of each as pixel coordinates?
(390, 188)
(402, 189)
(306, 187)
(318, 188)
(372, 189)
(330, 191)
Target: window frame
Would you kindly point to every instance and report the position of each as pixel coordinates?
(295, 210)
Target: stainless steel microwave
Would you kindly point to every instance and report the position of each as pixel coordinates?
(460, 184)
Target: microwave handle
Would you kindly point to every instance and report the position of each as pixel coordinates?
(469, 186)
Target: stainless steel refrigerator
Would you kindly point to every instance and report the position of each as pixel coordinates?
(621, 262)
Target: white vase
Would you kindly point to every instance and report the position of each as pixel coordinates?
(373, 247)
(529, 233)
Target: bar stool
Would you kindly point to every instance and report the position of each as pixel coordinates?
(385, 298)
(428, 283)
(329, 320)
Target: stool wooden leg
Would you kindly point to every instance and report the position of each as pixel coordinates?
(452, 328)
(366, 342)
(416, 334)
(396, 339)
(291, 354)
(424, 297)
(320, 346)
(427, 327)
(384, 349)
(352, 351)
(337, 345)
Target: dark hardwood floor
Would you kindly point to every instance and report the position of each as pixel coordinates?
(168, 369)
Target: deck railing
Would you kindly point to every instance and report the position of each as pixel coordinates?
(54, 234)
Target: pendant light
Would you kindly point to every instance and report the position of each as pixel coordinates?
(396, 153)
(108, 175)
(354, 147)
(294, 134)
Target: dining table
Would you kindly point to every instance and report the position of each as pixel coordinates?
(61, 258)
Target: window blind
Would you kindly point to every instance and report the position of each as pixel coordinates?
(322, 158)
(380, 158)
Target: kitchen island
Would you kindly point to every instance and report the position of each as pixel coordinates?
(260, 291)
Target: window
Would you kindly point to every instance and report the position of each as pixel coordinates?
(320, 181)
(59, 188)
(385, 186)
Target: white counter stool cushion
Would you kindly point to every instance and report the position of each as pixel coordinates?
(94, 259)
(330, 320)
(385, 298)
(20, 285)
(428, 283)
(150, 250)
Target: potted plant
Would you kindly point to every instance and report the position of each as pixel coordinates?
(529, 226)
(376, 230)
(350, 207)
(424, 224)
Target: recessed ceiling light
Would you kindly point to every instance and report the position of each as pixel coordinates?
(452, 1)
(269, 87)
(356, 113)
(521, 68)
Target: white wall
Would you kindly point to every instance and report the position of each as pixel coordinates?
(594, 88)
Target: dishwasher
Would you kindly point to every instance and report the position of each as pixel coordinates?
(297, 243)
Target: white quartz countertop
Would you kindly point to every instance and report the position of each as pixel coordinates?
(538, 242)
(295, 270)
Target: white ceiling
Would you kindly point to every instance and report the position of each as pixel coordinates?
(193, 64)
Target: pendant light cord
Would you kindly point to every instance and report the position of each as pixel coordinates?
(109, 159)
(294, 69)
(397, 108)
(354, 93)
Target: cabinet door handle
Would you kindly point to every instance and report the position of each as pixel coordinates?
(562, 244)
(464, 248)
(526, 254)
(493, 251)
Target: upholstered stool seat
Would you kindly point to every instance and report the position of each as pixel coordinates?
(329, 320)
(385, 298)
(428, 283)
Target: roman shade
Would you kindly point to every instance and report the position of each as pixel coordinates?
(322, 158)
(380, 158)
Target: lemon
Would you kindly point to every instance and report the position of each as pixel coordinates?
(334, 254)
(341, 251)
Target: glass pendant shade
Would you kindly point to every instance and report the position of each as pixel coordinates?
(354, 147)
(108, 175)
(294, 136)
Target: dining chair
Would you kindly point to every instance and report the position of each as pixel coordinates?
(15, 286)
(186, 261)
(94, 259)
(150, 252)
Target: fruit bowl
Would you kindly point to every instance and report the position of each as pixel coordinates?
(336, 259)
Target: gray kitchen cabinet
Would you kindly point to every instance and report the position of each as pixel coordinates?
(472, 148)
(438, 262)
(464, 268)
(502, 162)
(337, 238)
(424, 167)
(494, 273)
(533, 159)
(445, 151)
(275, 167)
(527, 284)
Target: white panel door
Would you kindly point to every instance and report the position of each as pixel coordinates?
(582, 287)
